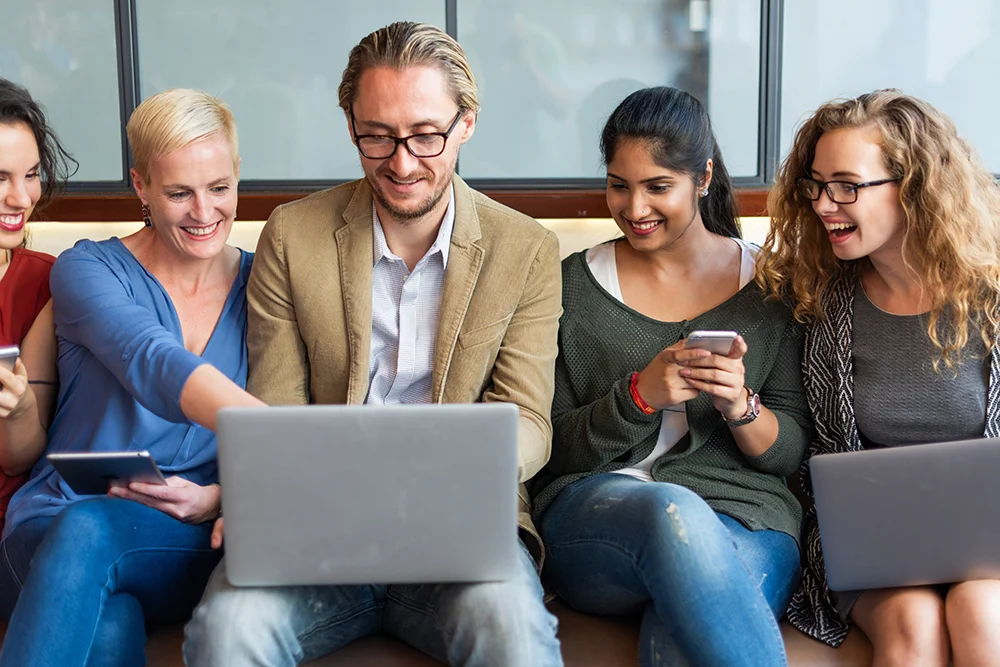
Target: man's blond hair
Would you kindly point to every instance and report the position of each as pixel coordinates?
(407, 44)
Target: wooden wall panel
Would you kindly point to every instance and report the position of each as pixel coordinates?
(73, 207)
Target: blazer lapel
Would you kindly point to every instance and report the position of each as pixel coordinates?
(465, 260)
(354, 254)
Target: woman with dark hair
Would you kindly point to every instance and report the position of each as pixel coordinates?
(664, 493)
(33, 167)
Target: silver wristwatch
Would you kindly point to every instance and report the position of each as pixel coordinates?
(753, 410)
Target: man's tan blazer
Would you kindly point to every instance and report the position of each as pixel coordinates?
(310, 313)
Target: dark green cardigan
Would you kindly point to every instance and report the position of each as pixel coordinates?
(597, 428)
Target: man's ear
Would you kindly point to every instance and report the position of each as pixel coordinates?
(467, 126)
(350, 125)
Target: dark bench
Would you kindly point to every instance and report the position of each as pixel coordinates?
(587, 641)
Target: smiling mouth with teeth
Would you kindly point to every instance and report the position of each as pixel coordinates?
(840, 229)
(12, 220)
(399, 182)
(201, 231)
(644, 226)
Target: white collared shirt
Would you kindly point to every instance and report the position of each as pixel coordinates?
(405, 309)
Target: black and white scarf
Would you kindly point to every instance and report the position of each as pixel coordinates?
(828, 377)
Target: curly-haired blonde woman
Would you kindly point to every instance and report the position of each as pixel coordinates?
(886, 240)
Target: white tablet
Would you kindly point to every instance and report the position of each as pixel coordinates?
(92, 473)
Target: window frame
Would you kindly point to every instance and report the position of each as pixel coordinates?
(539, 197)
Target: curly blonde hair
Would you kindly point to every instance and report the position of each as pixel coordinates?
(951, 212)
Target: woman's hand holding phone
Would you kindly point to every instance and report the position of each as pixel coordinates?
(15, 394)
(660, 384)
(722, 377)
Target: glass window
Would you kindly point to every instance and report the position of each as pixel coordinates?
(278, 64)
(550, 73)
(65, 55)
(944, 51)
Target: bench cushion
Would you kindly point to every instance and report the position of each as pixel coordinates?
(587, 641)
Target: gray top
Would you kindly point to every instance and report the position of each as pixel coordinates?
(898, 397)
(900, 400)
(597, 428)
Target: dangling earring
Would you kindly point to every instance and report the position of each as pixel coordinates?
(145, 216)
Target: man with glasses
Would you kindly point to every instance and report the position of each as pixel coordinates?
(405, 286)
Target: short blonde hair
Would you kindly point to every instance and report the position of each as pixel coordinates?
(951, 213)
(407, 44)
(175, 118)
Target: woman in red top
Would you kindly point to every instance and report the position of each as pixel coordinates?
(33, 166)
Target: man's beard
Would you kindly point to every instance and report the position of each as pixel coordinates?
(423, 208)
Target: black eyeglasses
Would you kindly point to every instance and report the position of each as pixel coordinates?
(383, 146)
(839, 192)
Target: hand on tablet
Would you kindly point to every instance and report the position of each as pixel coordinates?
(180, 498)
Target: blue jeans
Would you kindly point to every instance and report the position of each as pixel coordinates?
(88, 582)
(709, 590)
(495, 623)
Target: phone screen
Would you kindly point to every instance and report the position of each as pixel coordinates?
(716, 342)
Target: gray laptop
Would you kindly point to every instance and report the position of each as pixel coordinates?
(340, 494)
(907, 516)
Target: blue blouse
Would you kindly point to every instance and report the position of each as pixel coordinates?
(122, 366)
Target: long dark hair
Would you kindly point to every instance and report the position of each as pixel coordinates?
(677, 130)
(56, 165)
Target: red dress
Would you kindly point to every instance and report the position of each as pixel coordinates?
(24, 291)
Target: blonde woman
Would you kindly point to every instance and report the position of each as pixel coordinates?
(886, 239)
(150, 331)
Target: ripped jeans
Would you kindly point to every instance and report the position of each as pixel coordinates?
(709, 590)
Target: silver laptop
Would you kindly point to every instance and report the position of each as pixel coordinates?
(912, 515)
(339, 494)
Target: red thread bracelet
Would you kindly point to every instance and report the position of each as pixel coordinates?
(633, 390)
